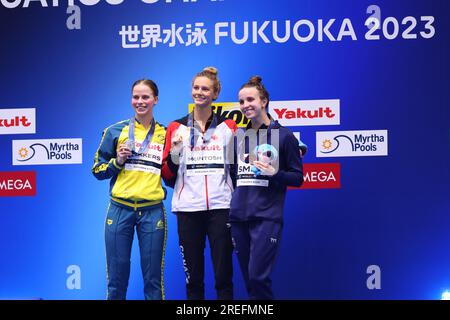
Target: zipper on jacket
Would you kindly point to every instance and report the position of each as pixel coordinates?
(206, 190)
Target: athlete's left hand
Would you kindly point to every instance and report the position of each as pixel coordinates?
(265, 168)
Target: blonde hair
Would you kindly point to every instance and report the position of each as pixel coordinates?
(211, 74)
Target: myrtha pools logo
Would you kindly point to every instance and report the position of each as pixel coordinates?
(48, 151)
(352, 143)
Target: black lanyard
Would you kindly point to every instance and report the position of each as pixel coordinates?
(246, 143)
(270, 127)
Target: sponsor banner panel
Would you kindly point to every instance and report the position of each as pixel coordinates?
(352, 143)
(288, 113)
(46, 151)
(17, 121)
(17, 183)
(321, 176)
(306, 112)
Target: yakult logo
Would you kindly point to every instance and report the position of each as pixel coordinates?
(306, 112)
(60, 151)
(14, 184)
(288, 113)
(352, 143)
(157, 147)
(17, 121)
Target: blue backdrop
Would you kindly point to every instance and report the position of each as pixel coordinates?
(391, 211)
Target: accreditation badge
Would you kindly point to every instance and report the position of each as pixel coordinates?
(149, 160)
(205, 160)
(247, 178)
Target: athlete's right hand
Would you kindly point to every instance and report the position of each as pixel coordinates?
(176, 145)
(265, 168)
(123, 152)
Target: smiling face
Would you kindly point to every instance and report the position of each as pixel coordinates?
(203, 92)
(143, 101)
(251, 103)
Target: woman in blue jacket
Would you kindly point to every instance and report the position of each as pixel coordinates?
(268, 160)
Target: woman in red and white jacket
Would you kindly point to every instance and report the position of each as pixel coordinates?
(195, 164)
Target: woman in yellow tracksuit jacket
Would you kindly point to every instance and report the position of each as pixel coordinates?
(130, 155)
